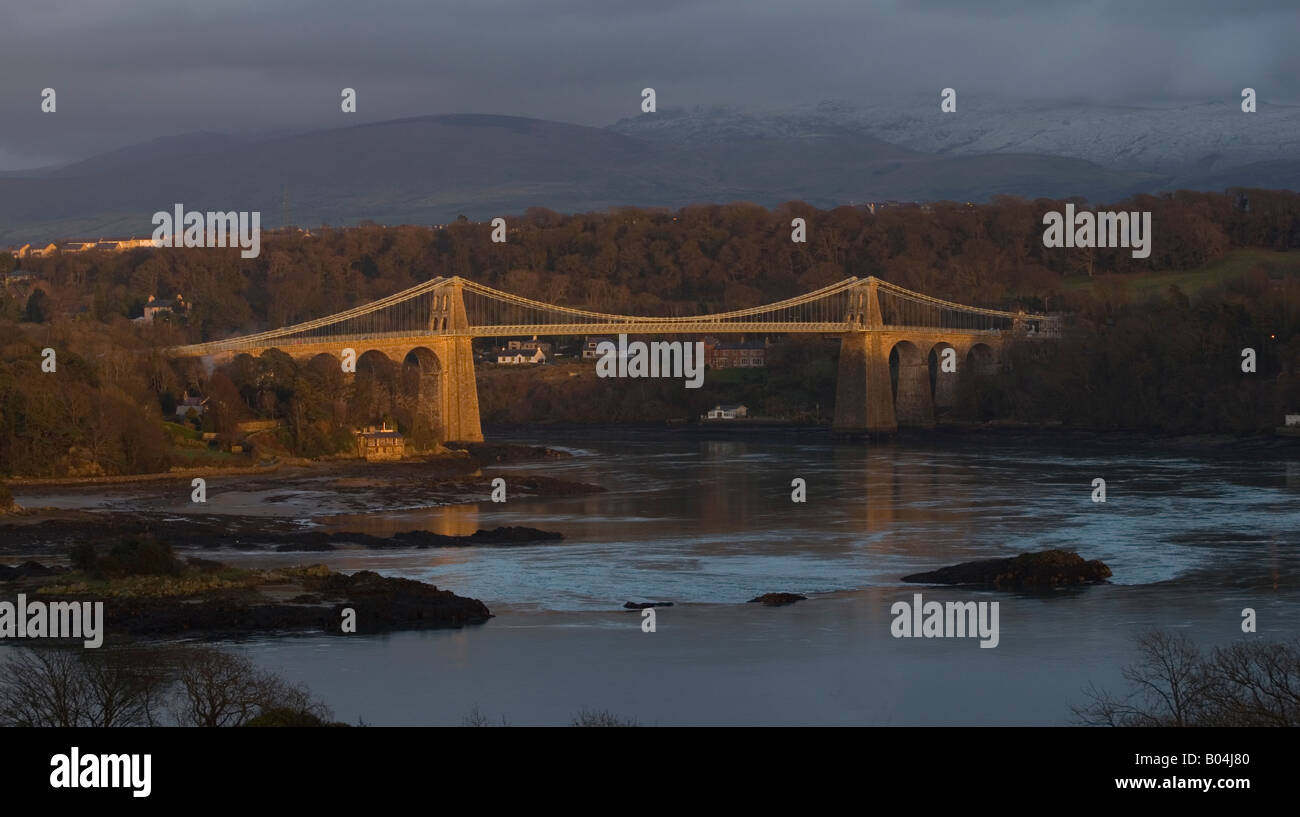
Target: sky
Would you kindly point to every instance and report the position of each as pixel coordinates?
(133, 70)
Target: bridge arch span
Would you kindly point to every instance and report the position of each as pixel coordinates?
(981, 359)
(909, 374)
(320, 361)
(421, 396)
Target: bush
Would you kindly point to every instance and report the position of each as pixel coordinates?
(600, 717)
(225, 689)
(289, 716)
(140, 556)
(84, 558)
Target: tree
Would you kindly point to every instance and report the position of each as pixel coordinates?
(70, 687)
(1175, 684)
(225, 689)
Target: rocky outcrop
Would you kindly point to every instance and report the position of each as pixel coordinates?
(267, 602)
(28, 570)
(506, 452)
(1047, 568)
(642, 605)
(777, 599)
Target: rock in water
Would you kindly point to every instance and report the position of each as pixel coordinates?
(778, 599)
(641, 605)
(1047, 568)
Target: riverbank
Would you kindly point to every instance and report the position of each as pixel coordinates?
(457, 458)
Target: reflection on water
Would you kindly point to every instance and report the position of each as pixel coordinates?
(695, 519)
(449, 520)
(709, 523)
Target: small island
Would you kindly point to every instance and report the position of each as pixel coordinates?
(1047, 568)
(148, 592)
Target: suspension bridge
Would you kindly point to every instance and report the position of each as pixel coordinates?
(893, 343)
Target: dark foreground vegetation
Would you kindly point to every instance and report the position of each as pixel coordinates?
(1152, 344)
(175, 686)
(1176, 683)
(583, 717)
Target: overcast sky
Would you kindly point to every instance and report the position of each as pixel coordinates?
(132, 70)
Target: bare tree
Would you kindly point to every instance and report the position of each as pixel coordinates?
(61, 687)
(1256, 684)
(224, 689)
(477, 717)
(1175, 684)
(1170, 687)
(123, 688)
(42, 688)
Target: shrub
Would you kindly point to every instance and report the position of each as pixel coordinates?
(600, 717)
(84, 558)
(140, 556)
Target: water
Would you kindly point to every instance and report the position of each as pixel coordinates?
(708, 523)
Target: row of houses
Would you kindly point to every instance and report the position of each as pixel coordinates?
(103, 244)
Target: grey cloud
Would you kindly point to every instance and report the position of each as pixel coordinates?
(126, 74)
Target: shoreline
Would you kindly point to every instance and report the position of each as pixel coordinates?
(505, 453)
(455, 461)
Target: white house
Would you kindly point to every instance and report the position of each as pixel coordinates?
(727, 412)
(517, 357)
(191, 405)
(1293, 420)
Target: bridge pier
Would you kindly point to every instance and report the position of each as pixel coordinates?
(864, 401)
(459, 391)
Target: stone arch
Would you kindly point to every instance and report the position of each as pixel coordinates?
(421, 396)
(943, 384)
(982, 359)
(909, 374)
(374, 387)
(375, 359)
(321, 360)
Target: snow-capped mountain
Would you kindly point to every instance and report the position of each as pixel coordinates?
(1174, 138)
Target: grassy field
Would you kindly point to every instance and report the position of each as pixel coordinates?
(1233, 265)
